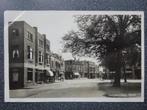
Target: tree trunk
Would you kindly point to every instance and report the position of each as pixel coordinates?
(125, 77)
(117, 78)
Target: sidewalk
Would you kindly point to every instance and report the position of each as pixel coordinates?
(129, 89)
(32, 90)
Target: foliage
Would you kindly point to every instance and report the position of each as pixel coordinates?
(99, 35)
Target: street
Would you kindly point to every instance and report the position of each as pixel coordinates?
(82, 87)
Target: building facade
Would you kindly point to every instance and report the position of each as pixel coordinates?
(57, 65)
(29, 55)
(91, 70)
(84, 68)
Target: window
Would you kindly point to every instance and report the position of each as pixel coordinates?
(48, 59)
(52, 64)
(30, 53)
(47, 47)
(15, 32)
(30, 36)
(40, 57)
(15, 77)
(15, 53)
(40, 43)
(30, 74)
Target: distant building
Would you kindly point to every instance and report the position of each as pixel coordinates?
(130, 72)
(29, 55)
(84, 68)
(69, 69)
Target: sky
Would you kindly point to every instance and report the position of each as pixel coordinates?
(55, 24)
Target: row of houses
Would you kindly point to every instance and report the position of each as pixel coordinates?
(30, 58)
(82, 68)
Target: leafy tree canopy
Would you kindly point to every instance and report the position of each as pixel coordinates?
(102, 35)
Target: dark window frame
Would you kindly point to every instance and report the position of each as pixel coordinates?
(29, 52)
(40, 57)
(40, 42)
(47, 59)
(30, 36)
(47, 47)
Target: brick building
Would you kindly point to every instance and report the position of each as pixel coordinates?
(29, 55)
(57, 65)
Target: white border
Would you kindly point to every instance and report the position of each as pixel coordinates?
(6, 64)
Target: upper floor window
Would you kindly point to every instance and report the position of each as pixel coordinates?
(15, 32)
(30, 52)
(47, 47)
(40, 43)
(30, 36)
(15, 53)
(48, 59)
(52, 63)
(40, 57)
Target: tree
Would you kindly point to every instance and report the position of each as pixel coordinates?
(104, 37)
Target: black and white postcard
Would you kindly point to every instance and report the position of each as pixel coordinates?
(74, 56)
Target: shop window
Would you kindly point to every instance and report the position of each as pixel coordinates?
(30, 75)
(30, 53)
(15, 77)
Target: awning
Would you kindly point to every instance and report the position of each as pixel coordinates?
(49, 73)
(77, 74)
(61, 72)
